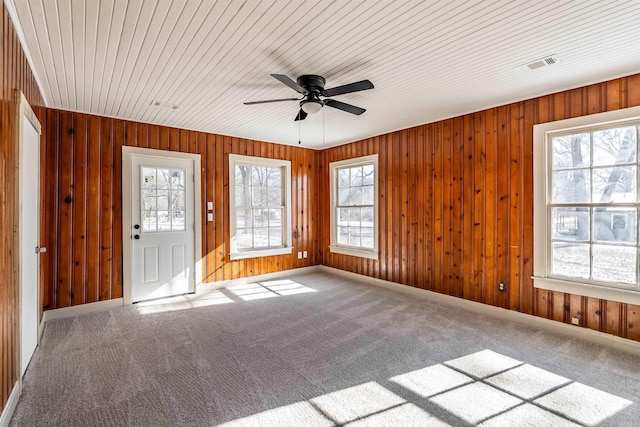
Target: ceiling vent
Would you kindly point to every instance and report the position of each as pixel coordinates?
(166, 105)
(539, 63)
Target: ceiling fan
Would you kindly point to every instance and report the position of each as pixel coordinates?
(312, 88)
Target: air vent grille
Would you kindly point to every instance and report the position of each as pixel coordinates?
(539, 63)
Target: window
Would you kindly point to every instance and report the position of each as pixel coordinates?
(260, 206)
(163, 199)
(354, 207)
(586, 206)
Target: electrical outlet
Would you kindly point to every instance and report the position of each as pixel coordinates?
(299, 255)
(575, 321)
(501, 286)
(304, 254)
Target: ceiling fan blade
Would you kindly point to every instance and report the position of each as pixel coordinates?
(271, 100)
(351, 87)
(301, 115)
(344, 106)
(286, 80)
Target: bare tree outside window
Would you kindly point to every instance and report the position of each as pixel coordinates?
(355, 206)
(259, 207)
(162, 199)
(594, 205)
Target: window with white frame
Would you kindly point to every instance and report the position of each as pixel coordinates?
(354, 206)
(259, 207)
(586, 205)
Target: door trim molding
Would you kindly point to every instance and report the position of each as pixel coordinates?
(24, 112)
(127, 152)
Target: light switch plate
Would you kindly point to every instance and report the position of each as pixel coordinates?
(299, 255)
(304, 254)
(209, 217)
(209, 206)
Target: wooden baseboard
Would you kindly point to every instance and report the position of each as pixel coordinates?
(501, 313)
(12, 402)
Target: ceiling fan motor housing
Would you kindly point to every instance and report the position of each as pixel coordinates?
(312, 83)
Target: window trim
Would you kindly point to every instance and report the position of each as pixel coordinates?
(542, 193)
(333, 179)
(234, 254)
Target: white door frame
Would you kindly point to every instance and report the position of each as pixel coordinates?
(127, 152)
(24, 114)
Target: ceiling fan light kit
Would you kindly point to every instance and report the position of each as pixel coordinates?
(311, 107)
(311, 86)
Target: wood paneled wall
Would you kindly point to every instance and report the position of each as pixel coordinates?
(16, 74)
(456, 207)
(456, 204)
(83, 191)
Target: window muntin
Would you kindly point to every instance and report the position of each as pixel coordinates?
(593, 206)
(354, 196)
(260, 212)
(162, 199)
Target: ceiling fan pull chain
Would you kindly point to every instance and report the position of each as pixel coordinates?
(299, 121)
(323, 126)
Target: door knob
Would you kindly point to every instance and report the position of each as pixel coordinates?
(136, 236)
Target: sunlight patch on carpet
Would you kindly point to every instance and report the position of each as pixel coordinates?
(431, 380)
(582, 403)
(268, 289)
(475, 402)
(527, 381)
(182, 302)
(251, 291)
(286, 287)
(501, 400)
(403, 415)
(528, 415)
(296, 414)
(496, 397)
(356, 402)
(483, 363)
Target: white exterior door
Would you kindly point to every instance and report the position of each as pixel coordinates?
(162, 227)
(29, 218)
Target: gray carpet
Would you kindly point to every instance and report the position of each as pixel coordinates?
(319, 350)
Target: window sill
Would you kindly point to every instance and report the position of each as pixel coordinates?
(588, 290)
(362, 253)
(260, 253)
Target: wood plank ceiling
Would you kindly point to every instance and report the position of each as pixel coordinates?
(428, 60)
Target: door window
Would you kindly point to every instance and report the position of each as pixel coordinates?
(162, 203)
